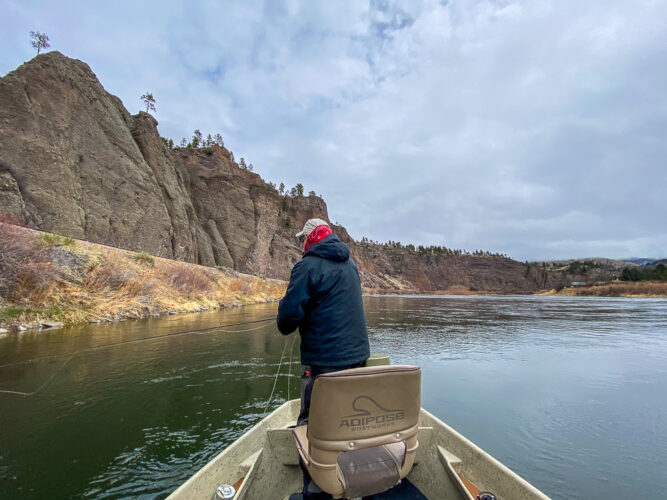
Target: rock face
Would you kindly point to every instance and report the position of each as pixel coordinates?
(69, 162)
(73, 161)
(242, 222)
(400, 269)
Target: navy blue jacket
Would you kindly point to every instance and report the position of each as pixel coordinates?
(323, 300)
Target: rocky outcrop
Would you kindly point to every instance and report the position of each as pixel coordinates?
(174, 195)
(70, 161)
(73, 161)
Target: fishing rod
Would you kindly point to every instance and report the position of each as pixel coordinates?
(72, 355)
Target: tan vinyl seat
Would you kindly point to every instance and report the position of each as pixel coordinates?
(361, 437)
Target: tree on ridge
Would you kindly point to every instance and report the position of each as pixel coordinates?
(196, 138)
(39, 40)
(149, 101)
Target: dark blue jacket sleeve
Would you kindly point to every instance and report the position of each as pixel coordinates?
(291, 308)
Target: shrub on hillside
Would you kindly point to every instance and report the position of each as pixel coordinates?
(138, 286)
(227, 271)
(240, 285)
(56, 239)
(35, 282)
(12, 219)
(144, 258)
(108, 275)
(189, 280)
(113, 277)
(25, 267)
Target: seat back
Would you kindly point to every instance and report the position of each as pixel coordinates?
(374, 409)
(364, 405)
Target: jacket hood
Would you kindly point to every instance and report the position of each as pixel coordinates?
(330, 248)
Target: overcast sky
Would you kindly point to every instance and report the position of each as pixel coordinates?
(535, 128)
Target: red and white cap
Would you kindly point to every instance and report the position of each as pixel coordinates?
(309, 226)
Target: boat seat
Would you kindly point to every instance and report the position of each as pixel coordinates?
(361, 436)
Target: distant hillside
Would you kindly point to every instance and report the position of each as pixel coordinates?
(615, 264)
(641, 261)
(74, 161)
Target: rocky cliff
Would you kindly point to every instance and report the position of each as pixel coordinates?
(74, 161)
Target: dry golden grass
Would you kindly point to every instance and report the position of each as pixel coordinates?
(460, 290)
(109, 284)
(616, 289)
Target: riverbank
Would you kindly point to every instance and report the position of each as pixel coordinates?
(47, 280)
(637, 289)
(453, 290)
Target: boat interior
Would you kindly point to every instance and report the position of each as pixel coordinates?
(367, 437)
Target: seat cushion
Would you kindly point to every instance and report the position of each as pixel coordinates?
(371, 470)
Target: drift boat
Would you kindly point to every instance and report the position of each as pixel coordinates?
(367, 436)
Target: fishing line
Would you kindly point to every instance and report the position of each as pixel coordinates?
(289, 374)
(20, 393)
(275, 379)
(134, 341)
(146, 339)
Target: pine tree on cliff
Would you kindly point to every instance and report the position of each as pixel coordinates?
(242, 163)
(39, 41)
(149, 101)
(219, 141)
(299, 189)
(281, 188)
(196, 139)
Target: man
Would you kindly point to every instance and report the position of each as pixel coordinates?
(323, 300)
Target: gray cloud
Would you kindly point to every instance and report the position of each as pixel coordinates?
(534, 128)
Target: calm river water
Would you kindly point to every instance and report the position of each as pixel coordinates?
(568, 392)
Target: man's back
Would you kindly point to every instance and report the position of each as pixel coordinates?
(324, 300)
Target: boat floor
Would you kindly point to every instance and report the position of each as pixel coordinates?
(404, 491)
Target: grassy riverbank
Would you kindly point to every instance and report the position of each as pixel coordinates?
(616, 289)
(46, 278)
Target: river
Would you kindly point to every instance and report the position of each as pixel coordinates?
(568, 392)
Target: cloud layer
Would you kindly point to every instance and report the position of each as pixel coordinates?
(534, 128)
